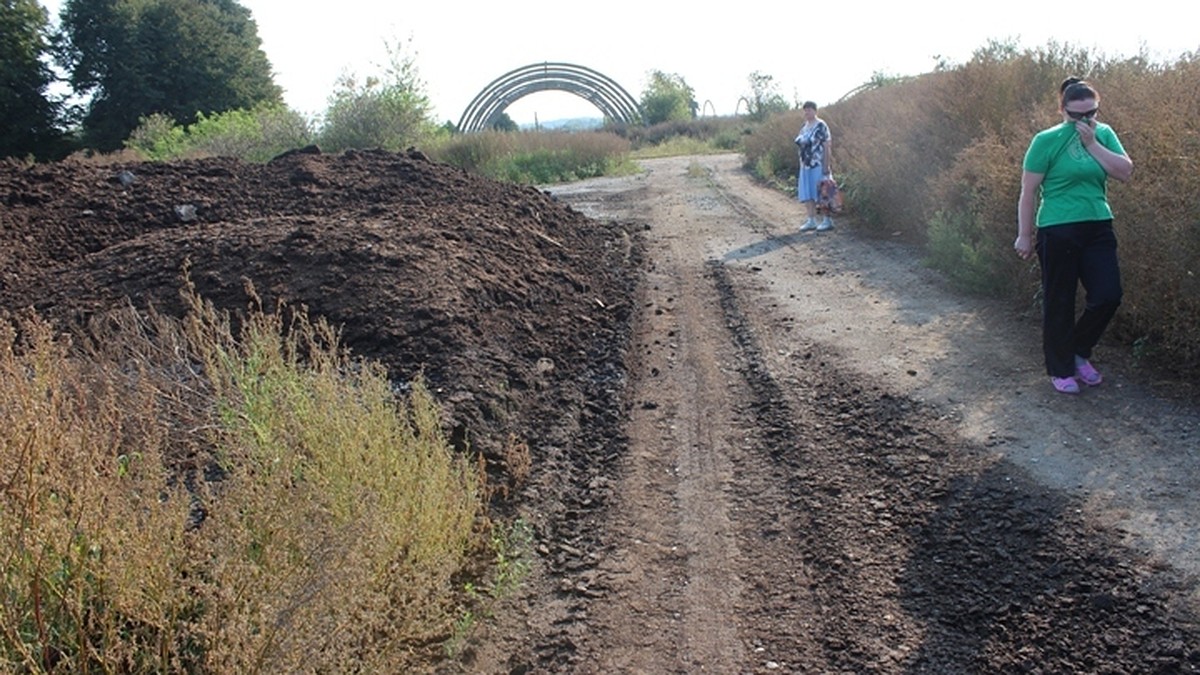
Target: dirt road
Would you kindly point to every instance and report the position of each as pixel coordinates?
(833, 463)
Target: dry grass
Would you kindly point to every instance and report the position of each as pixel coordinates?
(677, 146)
(937, 160)
(769, 158)
(92, 530)
(181, 496)
(702, 135)
(536, 157)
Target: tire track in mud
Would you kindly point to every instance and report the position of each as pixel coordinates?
(670, 562)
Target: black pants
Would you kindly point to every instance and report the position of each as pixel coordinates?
(1071, 254)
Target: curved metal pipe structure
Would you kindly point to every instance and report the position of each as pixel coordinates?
(596, 88)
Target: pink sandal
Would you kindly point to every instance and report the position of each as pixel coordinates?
(1065, 385)
(1086, 373)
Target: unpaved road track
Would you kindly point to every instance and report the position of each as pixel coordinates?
(835, 464)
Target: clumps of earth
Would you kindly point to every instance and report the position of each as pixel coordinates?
(513, 307)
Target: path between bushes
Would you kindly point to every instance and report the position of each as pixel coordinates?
(837, 464)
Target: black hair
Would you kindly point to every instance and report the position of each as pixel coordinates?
(1076, 89)
(809, 104)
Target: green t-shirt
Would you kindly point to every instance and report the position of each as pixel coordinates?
(1074, 185)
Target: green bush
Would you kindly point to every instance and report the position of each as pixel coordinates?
(727, 138)
(716, 133)
(375, 115)
(392, 111)
(158, 138)
(957, 247)
(546, 166)
(971, 191)
(250, 135)
(674, 147)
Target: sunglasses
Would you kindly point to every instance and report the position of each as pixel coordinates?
(1085, 115)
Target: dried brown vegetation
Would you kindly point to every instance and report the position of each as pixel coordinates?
(184, 497)
(936, 159)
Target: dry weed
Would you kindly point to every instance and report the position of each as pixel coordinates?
(184, 496)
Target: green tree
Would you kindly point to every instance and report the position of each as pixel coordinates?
(667, 97)
(502, 122)
(764, 98)
(179, 58)
(28, 115)
(390, 112)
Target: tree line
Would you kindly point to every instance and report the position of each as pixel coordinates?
(121, 61)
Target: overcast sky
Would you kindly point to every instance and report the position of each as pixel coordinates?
(814, 50)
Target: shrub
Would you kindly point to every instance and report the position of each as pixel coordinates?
(720, 133)
(183, 497)
(375, 115)
(344, 519)
(94, 555)
(676, 146)
(957, 246)
(964, 238)
(728, 138)
(158, 138)
(1156, 111)
(250, 135)
(391, 112)
(771, 152)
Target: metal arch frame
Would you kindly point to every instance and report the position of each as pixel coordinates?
(866, 86)
(594, 87)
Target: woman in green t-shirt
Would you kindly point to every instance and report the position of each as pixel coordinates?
(1068, 166)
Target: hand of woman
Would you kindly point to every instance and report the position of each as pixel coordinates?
(1024, 246)
(1087, 133)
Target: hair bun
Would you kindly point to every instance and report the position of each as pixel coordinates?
(1062, 88)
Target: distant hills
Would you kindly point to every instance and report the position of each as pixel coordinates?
(568, 124)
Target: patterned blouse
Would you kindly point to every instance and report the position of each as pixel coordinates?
(812, 140)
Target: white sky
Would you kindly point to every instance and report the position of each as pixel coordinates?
(816, 51)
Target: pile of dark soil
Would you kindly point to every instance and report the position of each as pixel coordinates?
(513, 306)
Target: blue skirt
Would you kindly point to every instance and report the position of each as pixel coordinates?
(807, 182)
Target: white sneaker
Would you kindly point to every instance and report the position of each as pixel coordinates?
(809, 225)
(825, 225)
